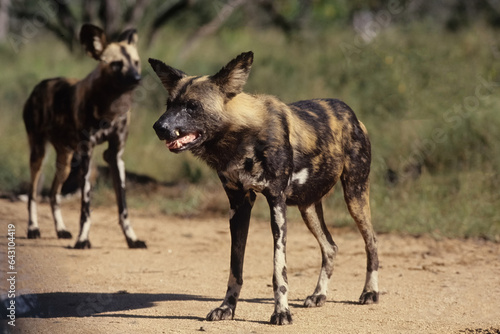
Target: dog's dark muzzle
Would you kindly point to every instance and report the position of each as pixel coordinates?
(133, 79)
(163, 131)
(176, 138)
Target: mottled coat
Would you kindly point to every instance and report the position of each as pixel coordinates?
(74, 116)
(291, 153)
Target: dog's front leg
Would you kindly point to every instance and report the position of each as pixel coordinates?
(281, 315)
(241, 206)
(83, 237)
(113, 156)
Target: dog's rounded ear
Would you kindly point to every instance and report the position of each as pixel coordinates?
(93, 40)
(130, 36)
(169, 76)
(232, 77)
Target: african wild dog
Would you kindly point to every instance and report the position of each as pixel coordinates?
(293, 154)
(74, 116)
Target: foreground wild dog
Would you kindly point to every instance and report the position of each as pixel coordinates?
(293, 154)
(75, 116)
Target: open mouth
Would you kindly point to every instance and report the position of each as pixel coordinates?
(182, 143)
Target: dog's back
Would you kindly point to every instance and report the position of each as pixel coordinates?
(327, 140)
(48, 112)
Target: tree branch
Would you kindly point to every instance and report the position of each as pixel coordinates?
(164, 17)
(277, 19)
(212, 26)
(134, 13)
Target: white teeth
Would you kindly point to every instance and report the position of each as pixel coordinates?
(177, 133)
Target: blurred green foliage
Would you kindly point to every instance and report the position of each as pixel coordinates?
(428, 96)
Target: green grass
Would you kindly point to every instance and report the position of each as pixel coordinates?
(416, 91)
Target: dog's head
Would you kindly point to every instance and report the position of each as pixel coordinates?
(196, 106)
(119, 61)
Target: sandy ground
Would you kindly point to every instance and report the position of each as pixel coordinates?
(427, 286)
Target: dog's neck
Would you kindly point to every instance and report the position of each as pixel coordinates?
(100, 96)
(249, 119)
(246, 111)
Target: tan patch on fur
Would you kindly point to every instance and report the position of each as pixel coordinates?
(113, 53)
(316, 163)
(302, 134)
(363, 127)
(246, 111)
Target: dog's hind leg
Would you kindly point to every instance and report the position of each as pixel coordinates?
(63, 167)
(313, 217)
(241, 206)
(36, 159)
(357, 197)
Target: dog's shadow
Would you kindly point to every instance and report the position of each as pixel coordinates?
(84, 304)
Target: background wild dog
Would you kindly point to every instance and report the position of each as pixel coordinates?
(293, 154)
(75, 116)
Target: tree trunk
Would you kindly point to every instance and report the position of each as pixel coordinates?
(4, 19)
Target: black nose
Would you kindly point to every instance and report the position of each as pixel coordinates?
(132, 76)
(161, 130)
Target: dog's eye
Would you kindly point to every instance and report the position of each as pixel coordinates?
(192, 106)
(116, 65)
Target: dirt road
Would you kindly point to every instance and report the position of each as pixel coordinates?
(427, 286)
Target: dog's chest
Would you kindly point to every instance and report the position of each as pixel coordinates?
(105, 129)
(246, 173)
